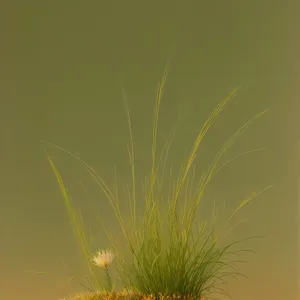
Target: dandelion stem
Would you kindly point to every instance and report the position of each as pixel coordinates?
(109, 287)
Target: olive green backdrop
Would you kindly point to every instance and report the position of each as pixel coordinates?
(63, 65)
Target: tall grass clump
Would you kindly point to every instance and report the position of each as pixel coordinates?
(170, 252)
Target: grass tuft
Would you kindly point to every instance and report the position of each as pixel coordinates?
(171, 255)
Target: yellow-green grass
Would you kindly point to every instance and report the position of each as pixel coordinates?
(167, 255)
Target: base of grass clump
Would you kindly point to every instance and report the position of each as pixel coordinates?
(124, 295)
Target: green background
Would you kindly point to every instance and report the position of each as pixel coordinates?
(63, 64)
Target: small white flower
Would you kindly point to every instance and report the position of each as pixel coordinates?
(103, 258)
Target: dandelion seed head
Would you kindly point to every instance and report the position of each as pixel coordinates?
(103, 258)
